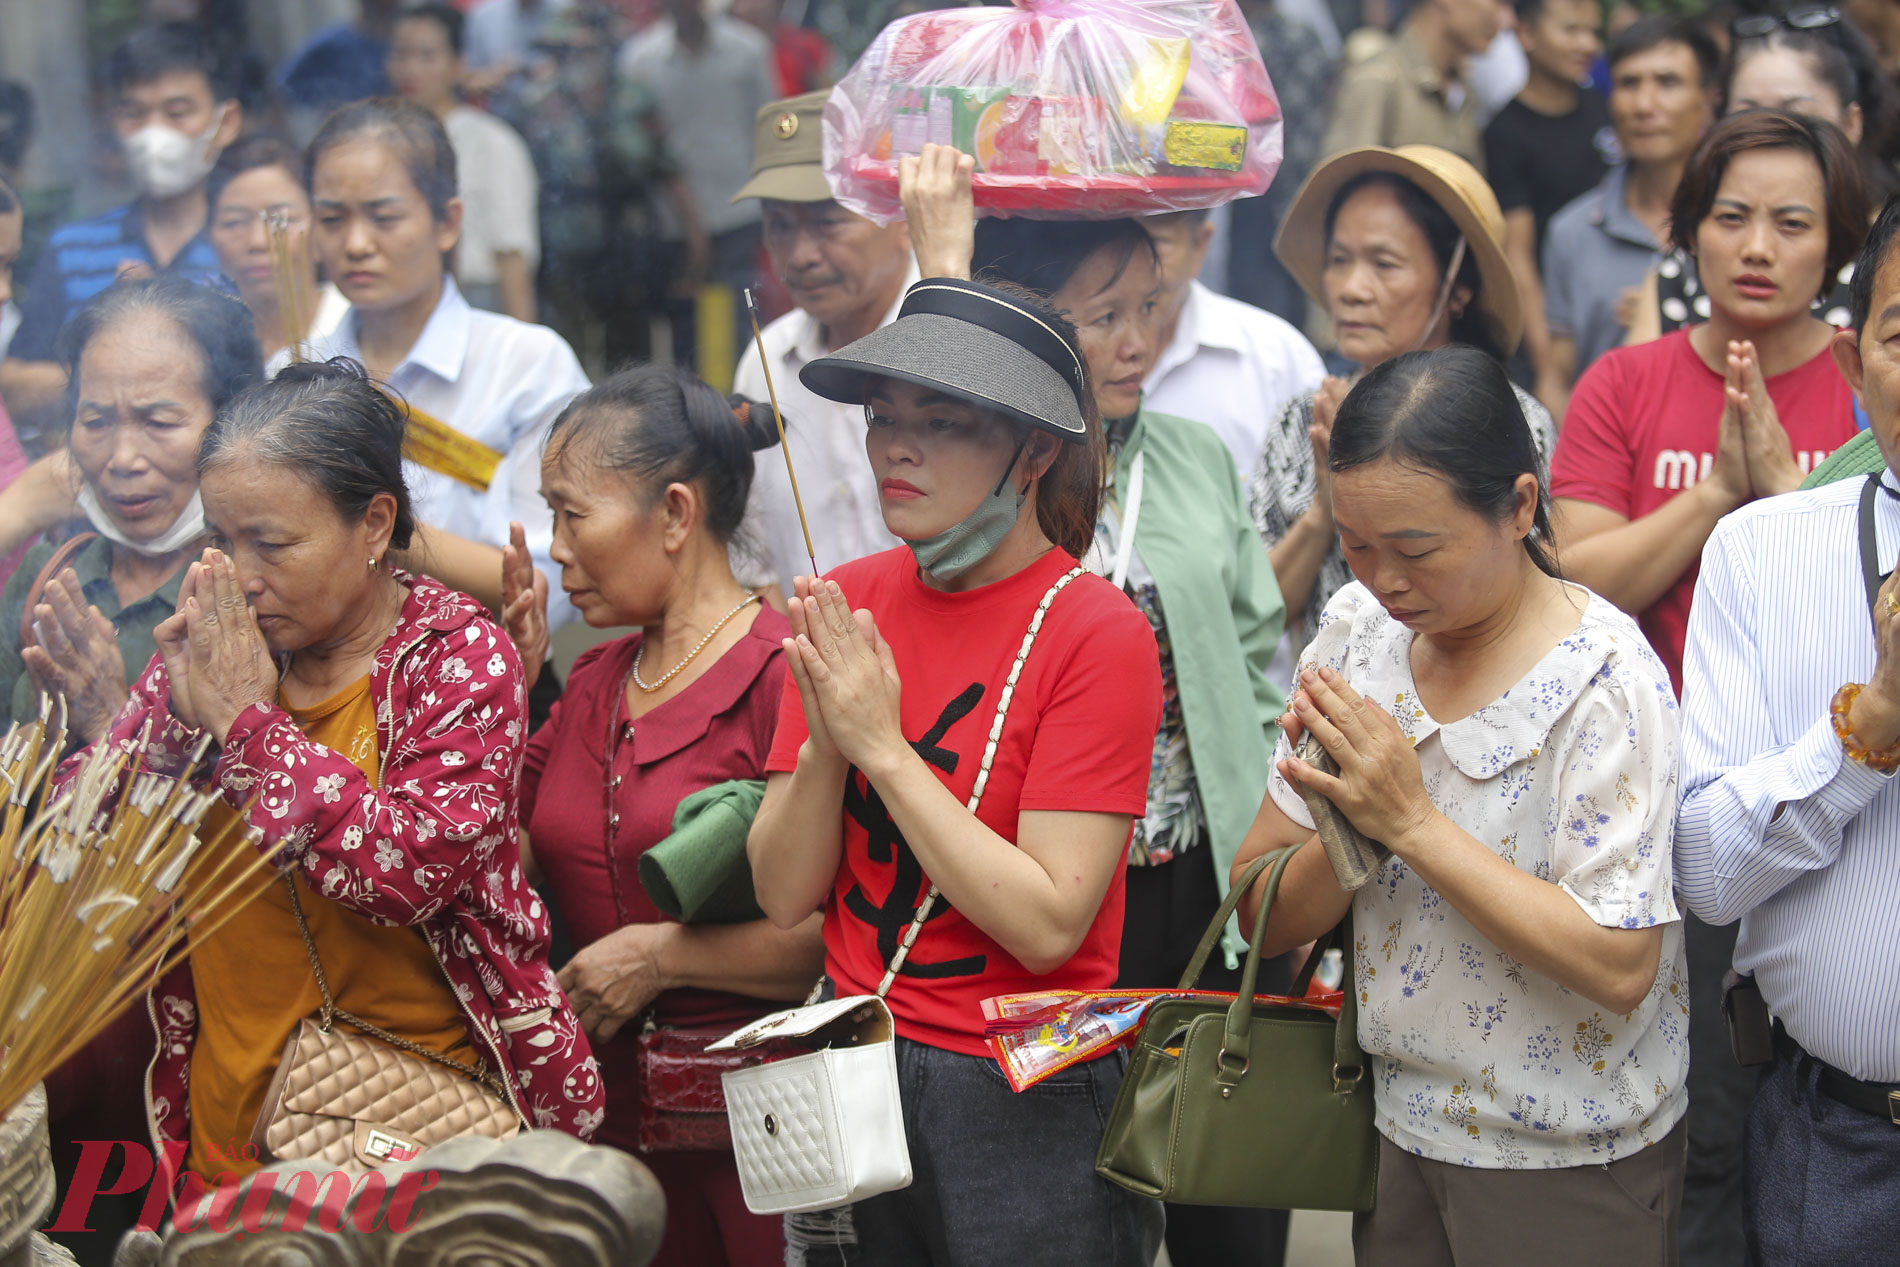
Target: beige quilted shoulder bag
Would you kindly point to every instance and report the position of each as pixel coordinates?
(358, 1101)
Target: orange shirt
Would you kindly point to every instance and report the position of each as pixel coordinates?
(255, 984)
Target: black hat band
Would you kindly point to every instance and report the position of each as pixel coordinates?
(964, 302)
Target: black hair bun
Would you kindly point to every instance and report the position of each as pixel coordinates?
(335, 370)
(756, 421)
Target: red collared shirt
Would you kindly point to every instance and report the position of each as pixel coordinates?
(719, 728)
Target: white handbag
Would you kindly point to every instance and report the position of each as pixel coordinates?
(825, 1127)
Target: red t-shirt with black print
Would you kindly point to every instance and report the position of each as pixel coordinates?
(1079, 736)
(1641, 429)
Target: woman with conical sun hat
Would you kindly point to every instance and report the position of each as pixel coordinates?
(983, 435)
(1404, 249)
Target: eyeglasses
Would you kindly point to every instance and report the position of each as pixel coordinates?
(1753, 26)
(234, 219)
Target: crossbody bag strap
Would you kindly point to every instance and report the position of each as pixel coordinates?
(983, 772)
(1869, 557)
(50, 569)
(331, 1013)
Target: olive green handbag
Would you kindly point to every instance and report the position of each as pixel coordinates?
(1248, 1104)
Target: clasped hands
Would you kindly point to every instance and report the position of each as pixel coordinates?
(213, 652)
(1380, 787)
(846, 677)
(75, 653)
(1753, 455)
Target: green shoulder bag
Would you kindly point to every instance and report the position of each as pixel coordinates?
(1248, 1104)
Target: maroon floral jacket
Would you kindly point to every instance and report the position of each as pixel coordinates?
(435, 848)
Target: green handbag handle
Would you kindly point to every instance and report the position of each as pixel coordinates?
(1349, 1060)
(1211, 938)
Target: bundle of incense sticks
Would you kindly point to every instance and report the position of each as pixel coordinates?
(100, 883)
(291, 274)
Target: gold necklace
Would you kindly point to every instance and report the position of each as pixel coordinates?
(641, 650)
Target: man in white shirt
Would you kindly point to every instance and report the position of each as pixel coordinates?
(501, 236)
(1790, 814)
(847, 276)
(1224, 363)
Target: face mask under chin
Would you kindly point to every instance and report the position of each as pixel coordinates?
(966, 543)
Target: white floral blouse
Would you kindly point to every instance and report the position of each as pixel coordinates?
(1571, 776)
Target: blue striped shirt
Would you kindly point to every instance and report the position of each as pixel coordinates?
(82, 258)
(1778, 624)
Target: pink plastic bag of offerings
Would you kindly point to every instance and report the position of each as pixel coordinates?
(1073, 109)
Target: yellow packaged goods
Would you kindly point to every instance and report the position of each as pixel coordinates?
(1220, 146)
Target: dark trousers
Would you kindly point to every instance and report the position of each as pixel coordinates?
(1002, 1178)
(1168, 909)
(707, 1224)
(1719, 1093)
(1433, 1214)
(1822, 1179)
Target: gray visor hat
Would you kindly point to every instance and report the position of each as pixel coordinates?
(970, 341)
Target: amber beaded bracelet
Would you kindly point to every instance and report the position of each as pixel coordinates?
(1883, 760)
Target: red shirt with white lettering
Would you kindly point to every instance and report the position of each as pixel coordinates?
(1079, 736)
(1641, 428)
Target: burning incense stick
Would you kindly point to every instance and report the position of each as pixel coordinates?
(758, 341)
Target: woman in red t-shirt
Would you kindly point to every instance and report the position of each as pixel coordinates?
(647, 476)
(1663, 439)
(984, 438)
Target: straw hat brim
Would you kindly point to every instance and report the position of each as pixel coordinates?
(1301, 242)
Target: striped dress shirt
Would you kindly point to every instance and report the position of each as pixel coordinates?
(1777, 827)
(82, 258)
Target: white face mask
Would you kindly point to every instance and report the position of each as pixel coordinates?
(167, 162)
(189, 526)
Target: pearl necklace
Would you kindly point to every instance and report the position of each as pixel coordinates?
(673, 672)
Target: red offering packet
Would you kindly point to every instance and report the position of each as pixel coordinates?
(1042, 1033)
(1073, 109)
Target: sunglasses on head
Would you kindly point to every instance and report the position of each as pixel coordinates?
(1753, 26)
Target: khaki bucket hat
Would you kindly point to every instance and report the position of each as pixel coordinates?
(1452, 183)
(788, 150)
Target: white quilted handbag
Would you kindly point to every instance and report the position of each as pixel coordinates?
(825, 1127)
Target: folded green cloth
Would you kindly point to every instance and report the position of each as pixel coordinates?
(700, 874)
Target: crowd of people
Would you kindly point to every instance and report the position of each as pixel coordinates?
(1528, 492)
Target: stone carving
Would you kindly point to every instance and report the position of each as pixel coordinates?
(541, 1199)
(26, 1186)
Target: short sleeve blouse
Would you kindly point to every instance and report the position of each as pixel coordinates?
(1571, 776)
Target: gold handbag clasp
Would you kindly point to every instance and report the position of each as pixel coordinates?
(1343, 1085)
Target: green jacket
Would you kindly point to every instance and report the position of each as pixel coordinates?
(1224, 616)
(19, 697)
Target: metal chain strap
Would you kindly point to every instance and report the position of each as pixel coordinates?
(332, 1013)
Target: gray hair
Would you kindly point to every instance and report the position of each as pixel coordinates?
(328, 422)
